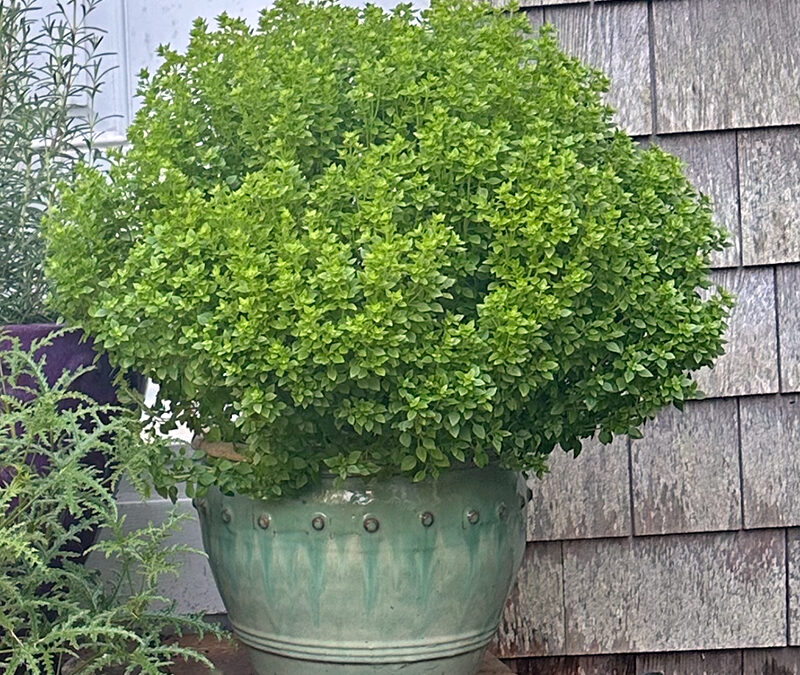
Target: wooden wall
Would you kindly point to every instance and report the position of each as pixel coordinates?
(680, 553)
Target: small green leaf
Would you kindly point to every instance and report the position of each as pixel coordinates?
(408, 463)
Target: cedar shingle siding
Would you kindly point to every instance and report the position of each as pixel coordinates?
(677, 553)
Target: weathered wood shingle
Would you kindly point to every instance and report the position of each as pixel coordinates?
(769, 161)
(533, 620)
(784, 661)
(582, 497)
(694, 663)
(771, 460)
(675, 593)
(750, 362)
(686, 470)
(535, 16)
(613, 37)
(577, 665)
(775, 661)
(540, 3)
(711, 166)
(788, 288)
(793, 548)
(726, 64)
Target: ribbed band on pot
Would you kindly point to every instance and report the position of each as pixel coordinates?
(357, 652)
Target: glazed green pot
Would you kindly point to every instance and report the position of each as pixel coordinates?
(369, 578)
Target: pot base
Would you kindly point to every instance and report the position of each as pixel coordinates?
(265, 663)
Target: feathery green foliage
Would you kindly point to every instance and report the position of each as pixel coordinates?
(365, 241)
(50, 71)
(54, 610)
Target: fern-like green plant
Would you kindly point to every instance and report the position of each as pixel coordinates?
(53, 609)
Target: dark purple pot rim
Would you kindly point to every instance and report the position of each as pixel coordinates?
(38, 329)
(70, 349)
(72, 340)
(26, 333)
(37, 326)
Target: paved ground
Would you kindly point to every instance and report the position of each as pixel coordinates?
(230, 659)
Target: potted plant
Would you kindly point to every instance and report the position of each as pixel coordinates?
(51, 71)
(380, 263)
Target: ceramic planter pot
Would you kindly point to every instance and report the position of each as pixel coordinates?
(369, 578)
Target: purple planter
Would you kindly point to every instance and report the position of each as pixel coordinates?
(67, 352)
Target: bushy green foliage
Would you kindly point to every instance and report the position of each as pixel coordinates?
(50, 70)
(53, 610)
(366, 241)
